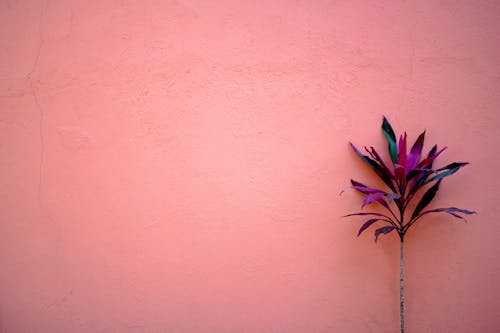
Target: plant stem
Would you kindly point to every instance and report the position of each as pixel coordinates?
(402, 287)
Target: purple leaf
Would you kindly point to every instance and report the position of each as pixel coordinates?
(415, 153)
(366, 225)
(368, 190)
(363, 188)
(384, 230)
(450, 210)
(365, 214)
(372, 197)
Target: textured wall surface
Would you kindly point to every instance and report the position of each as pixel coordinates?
(175, 166)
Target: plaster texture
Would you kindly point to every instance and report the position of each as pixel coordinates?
(175, 166)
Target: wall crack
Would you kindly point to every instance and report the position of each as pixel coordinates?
(29, 76)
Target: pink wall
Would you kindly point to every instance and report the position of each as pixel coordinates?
(174, 166)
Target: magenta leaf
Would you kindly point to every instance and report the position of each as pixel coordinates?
(402, 158)
(399, 170)
(384, 230)
(415, 153)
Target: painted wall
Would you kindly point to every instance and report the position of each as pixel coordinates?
(174, 166)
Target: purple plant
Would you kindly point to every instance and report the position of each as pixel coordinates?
(408, 174)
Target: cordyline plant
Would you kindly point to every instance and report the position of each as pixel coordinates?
(405, 177)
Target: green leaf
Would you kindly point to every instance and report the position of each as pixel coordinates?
(391, 139)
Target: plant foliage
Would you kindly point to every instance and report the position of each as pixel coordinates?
(408, 174)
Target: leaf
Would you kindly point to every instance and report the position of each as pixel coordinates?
(360, 188)
(365, 214)
(391, 139)
(426, 199)
(433, 150)
(372, 197)
(450, 210)
(441, 175)
(420, 180)
(366, 190)
(399, 170)
(384, 230)
(427, 162)
(393, 196)
(378, 198)
(415, 153)
(452, 168)
(363, 188)
(381, 162)
(376, 167)
(402, 151)
(418, 172)
(366, 225)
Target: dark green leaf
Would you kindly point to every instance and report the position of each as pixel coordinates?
(451, 169)
(453, 166)
(391, 139)
(375, 167)
(426, 199)
(377, 157)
